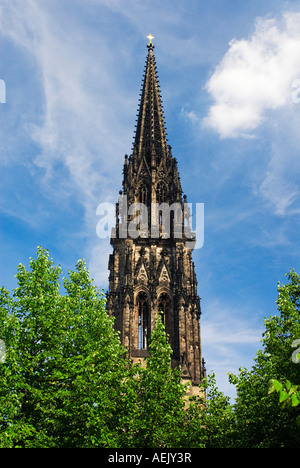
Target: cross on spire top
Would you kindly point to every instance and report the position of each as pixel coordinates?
(150, 37)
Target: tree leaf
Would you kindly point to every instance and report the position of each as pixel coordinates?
(295, 400)
(288, 384)
(283, 396)
(275, 385)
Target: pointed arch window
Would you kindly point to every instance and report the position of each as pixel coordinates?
(164, 307)
(161, 198)
(143, 196)
(142, 317)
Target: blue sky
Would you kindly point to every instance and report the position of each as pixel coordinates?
(228, 72)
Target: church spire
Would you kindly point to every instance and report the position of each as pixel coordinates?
(150, 172)
(150, 139)
(151, 267)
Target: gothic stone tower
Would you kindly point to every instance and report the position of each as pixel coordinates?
(151, 267)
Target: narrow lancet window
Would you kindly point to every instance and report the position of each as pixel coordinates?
(142, 305)
(164, 310)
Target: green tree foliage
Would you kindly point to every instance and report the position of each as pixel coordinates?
(261, 421)
(66, 381)
(258, 418)
(210, 417)
(158, 417)
(289, 395)
(62, 382)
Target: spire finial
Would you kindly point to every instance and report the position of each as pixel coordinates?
(150, 37)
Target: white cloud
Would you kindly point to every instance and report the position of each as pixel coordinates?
(280, 192)
(257, 84)
(190, 116)
(256, 75)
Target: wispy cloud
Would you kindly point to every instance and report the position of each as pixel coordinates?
(230, 332)
(81, 88)
(81, 130)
